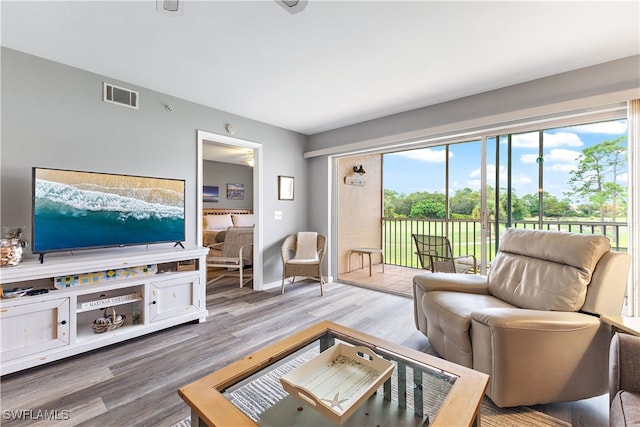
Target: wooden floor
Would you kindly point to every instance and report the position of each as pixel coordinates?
(136, 382)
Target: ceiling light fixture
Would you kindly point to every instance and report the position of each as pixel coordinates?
(293, 6)
(170, 7)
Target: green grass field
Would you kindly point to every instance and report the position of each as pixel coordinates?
(465, 236)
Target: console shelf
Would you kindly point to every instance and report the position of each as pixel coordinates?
(42, 328)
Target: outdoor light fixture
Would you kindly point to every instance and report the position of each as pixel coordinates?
(359, 169)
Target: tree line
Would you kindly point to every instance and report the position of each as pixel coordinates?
(595, 190)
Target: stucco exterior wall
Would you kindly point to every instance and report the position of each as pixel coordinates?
(359, 209)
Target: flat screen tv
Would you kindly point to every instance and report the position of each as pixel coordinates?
(75, 210)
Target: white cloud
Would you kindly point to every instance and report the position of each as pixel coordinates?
(428, 155)
(559, 139)
(558, 159)
(618, 127)
(528, 158)
(522, 180)
(564, 167)
(491, 174)
(562, 155)
(623, 178)
(525, 140)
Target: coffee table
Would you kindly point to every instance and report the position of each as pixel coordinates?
(457, 390)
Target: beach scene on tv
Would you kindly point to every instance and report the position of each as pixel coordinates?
(85, 210)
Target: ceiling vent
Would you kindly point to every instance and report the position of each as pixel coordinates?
(170, 7)
(119, 95)
(293, 6)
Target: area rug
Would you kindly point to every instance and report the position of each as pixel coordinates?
(256, 396)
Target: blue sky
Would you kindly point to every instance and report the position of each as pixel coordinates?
(424, 169)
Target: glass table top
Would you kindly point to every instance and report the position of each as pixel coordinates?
(411, 397)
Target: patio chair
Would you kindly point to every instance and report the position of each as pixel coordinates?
(435, 254)
(237, 254)
(302, 255)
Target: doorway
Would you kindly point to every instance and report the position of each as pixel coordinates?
(204, 138)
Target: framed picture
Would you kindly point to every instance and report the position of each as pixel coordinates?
(210, 194)
(285, 187)
(235, 191)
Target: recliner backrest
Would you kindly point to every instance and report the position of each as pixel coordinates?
(545, 270)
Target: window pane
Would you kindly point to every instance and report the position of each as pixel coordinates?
(585, 179)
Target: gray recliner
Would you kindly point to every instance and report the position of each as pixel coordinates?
(624, 381)
(532, 324)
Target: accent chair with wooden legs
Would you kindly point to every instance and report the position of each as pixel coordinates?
(302, 256)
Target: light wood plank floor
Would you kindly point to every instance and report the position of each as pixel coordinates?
(135, 383)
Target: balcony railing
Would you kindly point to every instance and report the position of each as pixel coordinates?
(465, 235)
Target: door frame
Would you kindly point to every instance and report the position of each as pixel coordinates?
(202, 137)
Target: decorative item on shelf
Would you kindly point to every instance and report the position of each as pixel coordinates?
(113, 300)
(11, 246)
(110, 321)
(15, 292)
(96, 277)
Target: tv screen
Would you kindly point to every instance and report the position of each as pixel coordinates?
(84, 210)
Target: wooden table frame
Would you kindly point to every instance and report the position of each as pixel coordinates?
(629, 325)
(460, 407)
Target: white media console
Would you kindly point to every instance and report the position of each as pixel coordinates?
(39, 329)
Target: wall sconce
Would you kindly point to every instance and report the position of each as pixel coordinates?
(359, 169)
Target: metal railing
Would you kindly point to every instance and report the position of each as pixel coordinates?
(465, 235)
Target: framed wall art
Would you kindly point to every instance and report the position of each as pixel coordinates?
(285, 187)
(235, 191)
(210, 194)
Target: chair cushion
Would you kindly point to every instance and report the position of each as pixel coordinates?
(449, 320)
(307, 246)
(545, 270)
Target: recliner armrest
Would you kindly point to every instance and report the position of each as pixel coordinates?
(539, 320)
(536, 356)
(455, 282)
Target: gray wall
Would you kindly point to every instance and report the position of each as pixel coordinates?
(53, 116)
(220, 174)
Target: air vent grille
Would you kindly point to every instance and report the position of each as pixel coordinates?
(120, 95)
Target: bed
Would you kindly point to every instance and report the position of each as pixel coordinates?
(216, 220)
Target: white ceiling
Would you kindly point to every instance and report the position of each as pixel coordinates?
(226, 153)
(333, 64)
